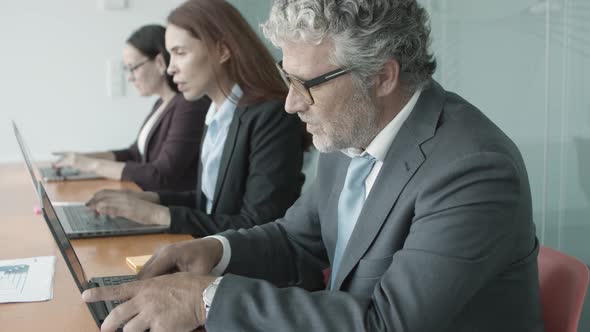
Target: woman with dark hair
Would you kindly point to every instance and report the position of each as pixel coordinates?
(252, 152)
(165, 155)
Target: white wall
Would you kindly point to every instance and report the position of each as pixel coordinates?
(53, 79)
(54, 72)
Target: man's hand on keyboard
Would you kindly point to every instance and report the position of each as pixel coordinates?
(129, 205)
(167, 303)
(197, 256)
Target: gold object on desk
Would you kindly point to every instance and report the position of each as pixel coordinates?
(136, 263)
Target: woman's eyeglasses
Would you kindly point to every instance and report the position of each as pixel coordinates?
(136, 66)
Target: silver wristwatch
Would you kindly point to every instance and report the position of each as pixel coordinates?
(209, 293)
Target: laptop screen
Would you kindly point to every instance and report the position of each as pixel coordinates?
(26, 156)
(63, 242)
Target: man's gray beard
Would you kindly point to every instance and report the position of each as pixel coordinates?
(359, 131)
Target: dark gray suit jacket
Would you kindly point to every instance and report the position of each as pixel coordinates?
(445, 241)
(259, 174)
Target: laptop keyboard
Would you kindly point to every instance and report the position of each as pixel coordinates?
(47, 172)
(117, 280)
(81, 219)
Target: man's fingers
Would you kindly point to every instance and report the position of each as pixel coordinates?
(158, 328)
(118, 316)
(119, 293)
(159, 264)
(139, 323)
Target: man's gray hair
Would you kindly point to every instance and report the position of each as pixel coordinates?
(366, 34)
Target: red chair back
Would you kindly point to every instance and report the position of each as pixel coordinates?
(563, 281)
(327, 274)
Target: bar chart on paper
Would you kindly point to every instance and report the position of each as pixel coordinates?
(12, 279)
(27, 279)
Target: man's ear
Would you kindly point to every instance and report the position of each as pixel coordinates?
(224, 53)
(387, 79)
(160, 64)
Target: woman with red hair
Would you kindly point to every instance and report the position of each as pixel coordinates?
(252, 151)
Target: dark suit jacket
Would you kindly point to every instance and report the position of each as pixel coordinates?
(259, 175)
(171, 156)
(445, 240)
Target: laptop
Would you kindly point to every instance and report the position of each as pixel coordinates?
(53, 174)
(80, 222)
(99, 310)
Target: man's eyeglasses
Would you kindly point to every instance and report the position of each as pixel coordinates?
(136, 66)
(302, 87)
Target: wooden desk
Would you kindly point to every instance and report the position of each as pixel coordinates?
(25, 234)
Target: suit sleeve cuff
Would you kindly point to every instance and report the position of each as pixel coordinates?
(121, 155)
(167, 198)
(220, 268)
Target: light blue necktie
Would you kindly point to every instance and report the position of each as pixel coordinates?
(350, 204)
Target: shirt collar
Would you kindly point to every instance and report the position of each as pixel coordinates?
(224, 113)
(382, 142)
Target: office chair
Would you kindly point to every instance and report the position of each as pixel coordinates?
(563, 281)
(327, 273)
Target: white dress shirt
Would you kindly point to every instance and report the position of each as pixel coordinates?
(147, 128)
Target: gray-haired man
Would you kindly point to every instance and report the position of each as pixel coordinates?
(421, 205)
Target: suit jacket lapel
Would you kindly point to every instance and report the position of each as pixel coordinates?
(402, 161)
(228, 151)
(400, 164)
(155, 126)
(198, 191)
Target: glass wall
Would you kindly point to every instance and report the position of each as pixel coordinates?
(526, 65)
(256, 12)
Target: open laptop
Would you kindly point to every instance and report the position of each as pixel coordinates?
(50, 173)
(80, 222)
(99, 310)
